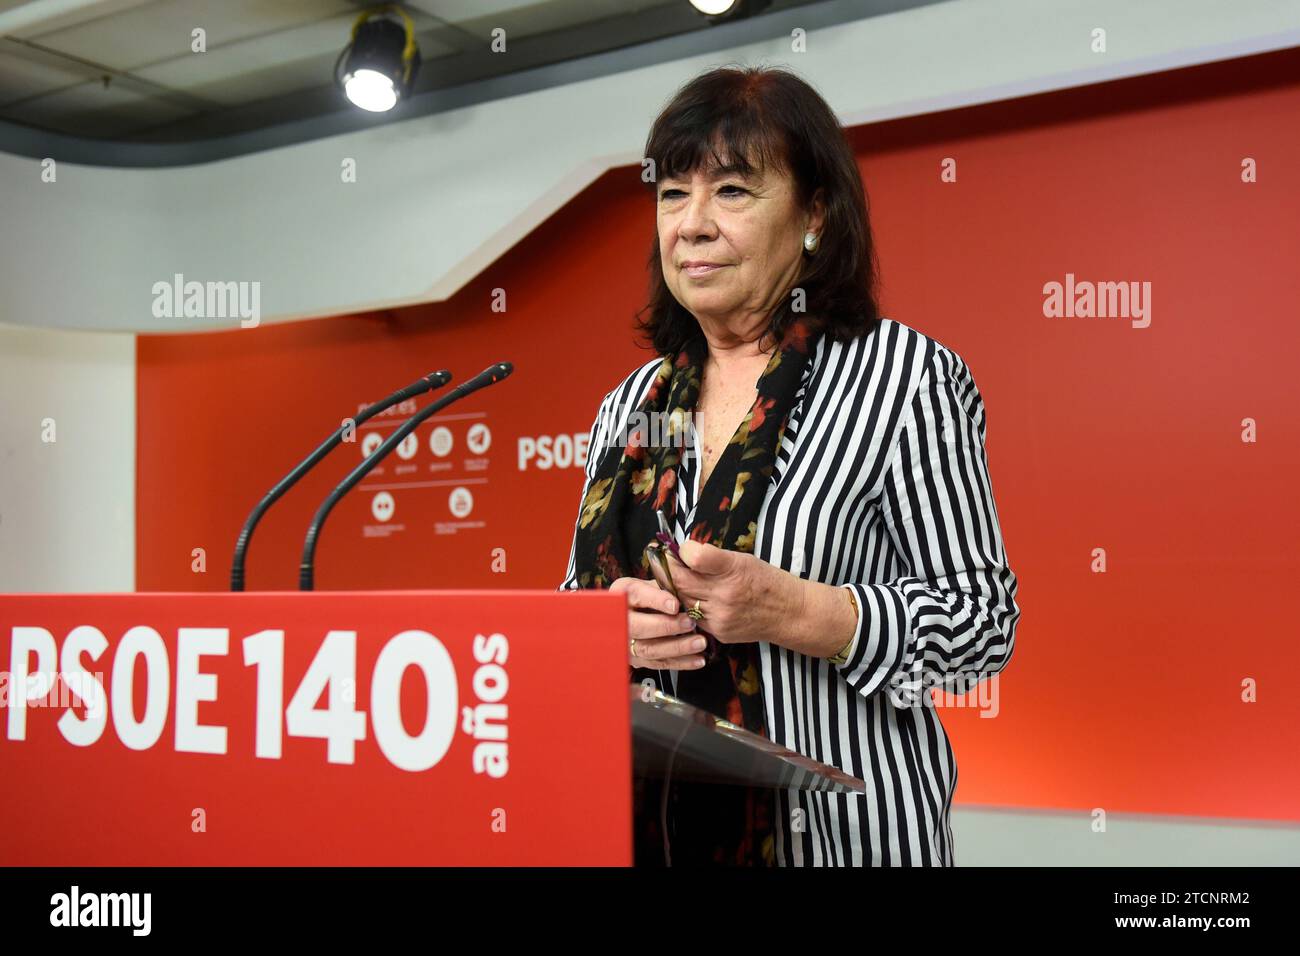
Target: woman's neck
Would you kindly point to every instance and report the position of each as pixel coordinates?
(735, 355)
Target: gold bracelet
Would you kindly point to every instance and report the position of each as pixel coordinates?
(843, 654)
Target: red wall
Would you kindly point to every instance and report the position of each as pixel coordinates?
(1125, 689)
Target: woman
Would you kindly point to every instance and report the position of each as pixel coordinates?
(839, 539)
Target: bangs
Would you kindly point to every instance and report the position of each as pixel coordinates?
(716, 140)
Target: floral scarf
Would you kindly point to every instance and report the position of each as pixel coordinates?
(710, 824)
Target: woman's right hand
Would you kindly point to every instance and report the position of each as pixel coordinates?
(664, 636)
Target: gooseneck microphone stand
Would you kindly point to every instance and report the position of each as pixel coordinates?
(428, 383)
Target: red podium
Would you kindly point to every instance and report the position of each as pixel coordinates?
(447, 728)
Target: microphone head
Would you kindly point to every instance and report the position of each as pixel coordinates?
(438, 379)
(489, 376)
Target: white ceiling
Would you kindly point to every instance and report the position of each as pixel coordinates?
(123, 69)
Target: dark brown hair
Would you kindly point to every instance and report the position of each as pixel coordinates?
(765, 118)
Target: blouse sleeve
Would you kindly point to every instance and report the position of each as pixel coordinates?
(950, 620)
(595, 445)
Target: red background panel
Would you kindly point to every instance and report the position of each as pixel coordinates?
(1125, 688)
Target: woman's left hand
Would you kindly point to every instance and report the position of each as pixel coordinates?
(743, 598)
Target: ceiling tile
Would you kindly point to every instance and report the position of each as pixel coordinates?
(159, 32)
(236, 89)
(92, 11)
(522, 19)
(92, 110)
(457, 11)
(21, 77)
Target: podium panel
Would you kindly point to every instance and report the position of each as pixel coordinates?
(676, 740)
(329, 728)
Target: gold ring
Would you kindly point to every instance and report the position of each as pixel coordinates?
(695, 614)
(632, 647)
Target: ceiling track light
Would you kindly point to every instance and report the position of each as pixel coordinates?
(378, 66)
(720, 11)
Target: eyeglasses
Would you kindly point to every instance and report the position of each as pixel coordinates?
(656, 555)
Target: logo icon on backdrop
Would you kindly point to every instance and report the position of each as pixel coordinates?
(382, 506)
(407, 447)
(461, 502)
(479, 438)
(368, 444)
(440, 441)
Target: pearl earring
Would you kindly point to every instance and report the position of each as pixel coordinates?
(810, 242)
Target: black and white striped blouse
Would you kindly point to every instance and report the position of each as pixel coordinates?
(881, 485)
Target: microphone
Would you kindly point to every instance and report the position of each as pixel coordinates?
(426, 384)
(489, 376)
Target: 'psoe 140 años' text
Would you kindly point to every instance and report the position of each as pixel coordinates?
(486, 721)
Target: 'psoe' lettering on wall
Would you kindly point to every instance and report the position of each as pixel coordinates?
(554, 451)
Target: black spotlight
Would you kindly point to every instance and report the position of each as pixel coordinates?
(381, 60)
